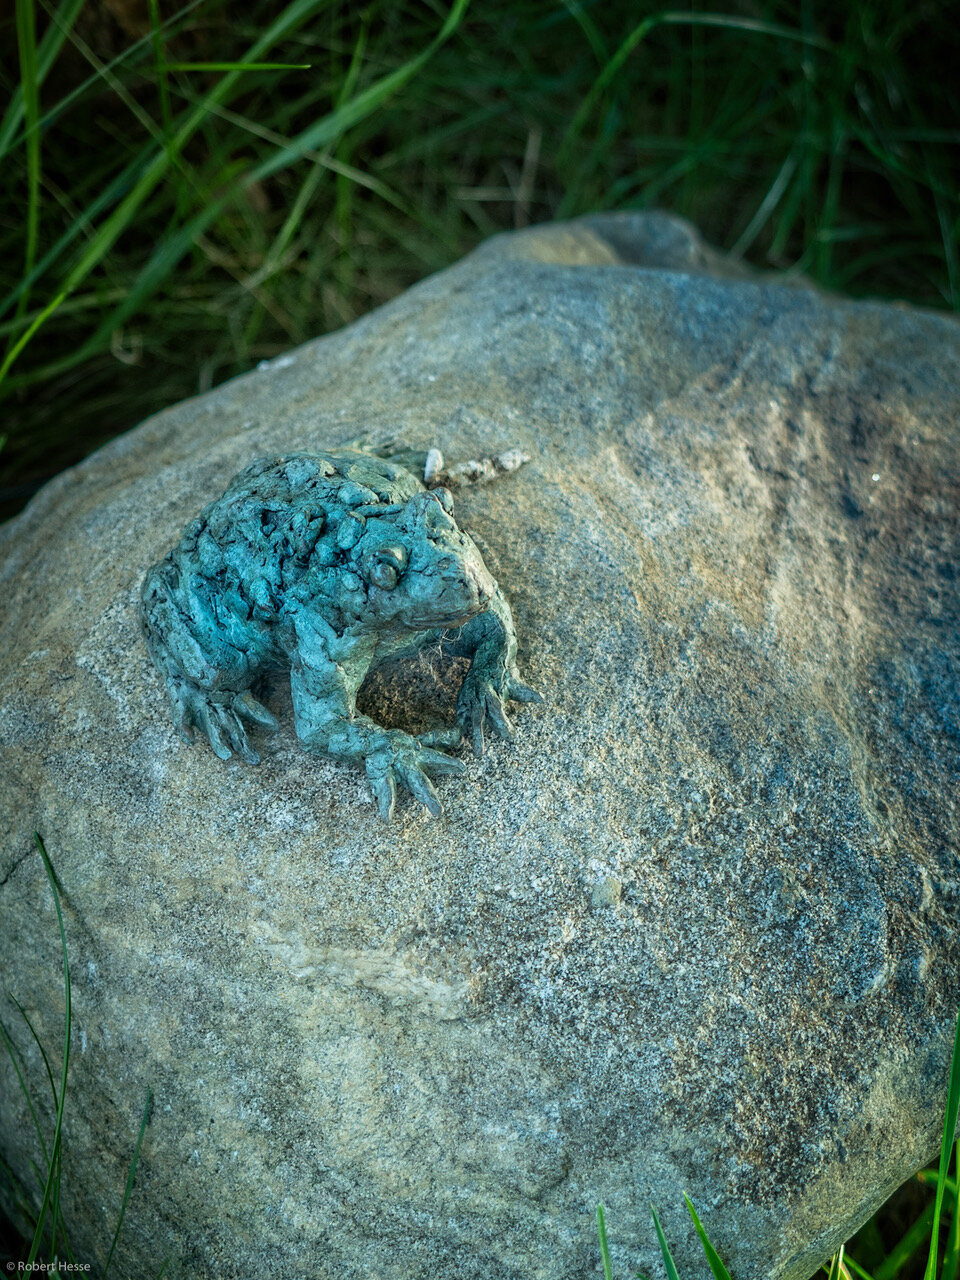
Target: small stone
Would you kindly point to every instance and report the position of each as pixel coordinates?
(606, 892)
(433, 466)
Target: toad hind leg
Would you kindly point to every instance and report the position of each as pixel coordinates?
(207, 686)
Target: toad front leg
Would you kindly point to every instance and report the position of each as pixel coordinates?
(490, 640)
(325, 675)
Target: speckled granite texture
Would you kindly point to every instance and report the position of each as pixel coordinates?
(695, 931)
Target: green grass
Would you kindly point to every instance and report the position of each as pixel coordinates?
(920, 1241)
(41, 1235)
(186, 191)
(916, 1248)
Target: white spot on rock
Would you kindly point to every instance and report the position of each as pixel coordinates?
(282, 362)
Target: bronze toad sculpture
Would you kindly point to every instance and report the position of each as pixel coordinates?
(328, 564)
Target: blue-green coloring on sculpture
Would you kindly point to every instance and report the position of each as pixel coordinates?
(327, 565)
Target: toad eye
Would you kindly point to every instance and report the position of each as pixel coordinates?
(384, 566)
(383, 575)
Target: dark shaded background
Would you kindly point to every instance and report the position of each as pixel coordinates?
(818, 137)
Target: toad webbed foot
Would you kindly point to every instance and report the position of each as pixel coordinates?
(393, 757)
(219, 716)
(480, 703)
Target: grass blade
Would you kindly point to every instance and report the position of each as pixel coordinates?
(856, 1268)
(604, 1247)
(120, 184)
(36, 1039)
(116, 223)
(949, 236)
(589, 29)
(171, 249)
(664, 1248)
(18, 1200)
(128, 56)
(53, 1172)
(928, 1178)
(129, 1186)
(30, 90)
(640, 33)
(946, 1147)
(713, 1258)
(237, 66)
(767, 205)
(11, 1054)
(836, 1265)
(46, 54)
(28, 333)
(912, 1240)
(352, 112)
(161, 68)
(951, 1257)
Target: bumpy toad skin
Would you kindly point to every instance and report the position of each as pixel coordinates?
(326, 565)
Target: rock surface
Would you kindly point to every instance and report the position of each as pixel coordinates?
(695, 931)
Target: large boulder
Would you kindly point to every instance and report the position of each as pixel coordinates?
(695, 931)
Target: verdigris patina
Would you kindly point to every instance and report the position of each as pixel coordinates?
(330, 564)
